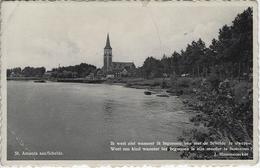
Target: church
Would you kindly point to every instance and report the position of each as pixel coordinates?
(116, 69)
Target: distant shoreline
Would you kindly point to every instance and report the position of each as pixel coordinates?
(152, 86)
(24, 78)
(73, 80)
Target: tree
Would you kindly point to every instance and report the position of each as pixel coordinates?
(33, 72)
(152, 68)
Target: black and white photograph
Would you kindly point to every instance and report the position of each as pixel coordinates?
(129, 81)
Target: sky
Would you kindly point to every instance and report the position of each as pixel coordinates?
(69, 33)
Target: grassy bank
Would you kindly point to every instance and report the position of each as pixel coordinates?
(138, 83)
(225, 115)
(177, 86)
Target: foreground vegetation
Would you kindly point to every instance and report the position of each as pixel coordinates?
(224, 114)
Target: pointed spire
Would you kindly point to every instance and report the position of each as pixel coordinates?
(108, 42)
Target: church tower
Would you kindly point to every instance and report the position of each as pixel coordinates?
(107, 56)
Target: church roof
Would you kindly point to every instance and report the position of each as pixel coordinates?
(122, 65)
(108, 43)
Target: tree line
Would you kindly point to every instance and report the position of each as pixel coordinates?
(26, 72)
(228, 56)
(76, 71)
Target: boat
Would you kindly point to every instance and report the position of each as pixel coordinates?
(163, 95)
(147, 93)
(39, 81)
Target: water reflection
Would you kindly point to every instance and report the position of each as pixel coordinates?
(109, 107)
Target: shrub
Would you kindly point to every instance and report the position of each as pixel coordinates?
(183, 82)
(196, 82)
(213, 80)
(164, 84)
(240, 90)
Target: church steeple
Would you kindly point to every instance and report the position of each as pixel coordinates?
(107, 56)
(108, 42)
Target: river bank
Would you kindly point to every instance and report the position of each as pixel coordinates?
(171, 87)
(222, 108)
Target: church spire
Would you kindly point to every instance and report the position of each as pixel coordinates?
(108, 42)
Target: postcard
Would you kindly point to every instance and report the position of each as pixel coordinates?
(117, 83)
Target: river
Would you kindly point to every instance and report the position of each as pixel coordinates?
(79, 120)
